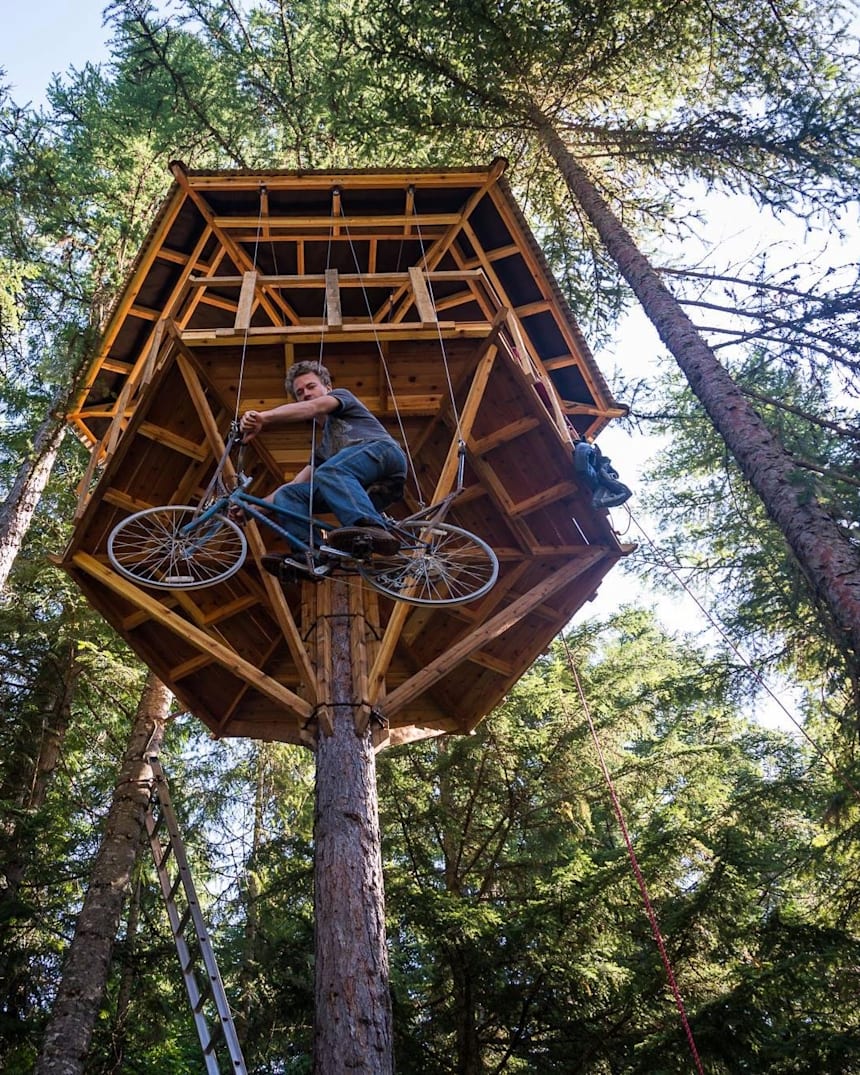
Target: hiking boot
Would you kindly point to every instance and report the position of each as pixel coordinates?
(287, 571)
(362, 541)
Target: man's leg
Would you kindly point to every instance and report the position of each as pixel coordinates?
(342, 480)
(294, 498)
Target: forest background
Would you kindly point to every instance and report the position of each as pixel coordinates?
(517, 935)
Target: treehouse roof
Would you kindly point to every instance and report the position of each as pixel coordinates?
(425, 293)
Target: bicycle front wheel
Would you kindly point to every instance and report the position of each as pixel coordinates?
(172, 548)
(438, 564)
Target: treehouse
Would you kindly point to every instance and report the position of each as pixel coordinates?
(425, 294)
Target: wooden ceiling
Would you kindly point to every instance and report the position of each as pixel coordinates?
(426, 295)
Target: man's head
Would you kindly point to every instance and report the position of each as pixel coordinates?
(312, 377)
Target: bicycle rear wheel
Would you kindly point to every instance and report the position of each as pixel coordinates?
(168, 548)
(439, 564)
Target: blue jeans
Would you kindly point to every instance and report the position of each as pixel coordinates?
(340, 486)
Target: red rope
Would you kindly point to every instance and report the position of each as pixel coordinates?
(634, 862)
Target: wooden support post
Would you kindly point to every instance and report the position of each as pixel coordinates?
(332, 298)
(421, 292)
(246, 301)
(353, 1030)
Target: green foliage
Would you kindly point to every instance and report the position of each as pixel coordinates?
(737, 554)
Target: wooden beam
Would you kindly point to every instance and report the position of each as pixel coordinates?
(333, 314)
(350, 332)
(440, 246)
(172, 440)
(246, 301)
(446, 662)
(273, 304)
(319, 280)
(331, 222)
(421, 294)
(198, 638)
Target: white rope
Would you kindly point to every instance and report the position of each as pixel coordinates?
(382, 359)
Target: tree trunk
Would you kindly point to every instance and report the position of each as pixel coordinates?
(18, 508)
(70, 1029)
(250, 963)
(352, 1029)
(827, 558)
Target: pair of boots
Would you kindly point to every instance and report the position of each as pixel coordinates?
(361, 542)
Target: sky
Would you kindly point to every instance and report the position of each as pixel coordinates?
(65, 33)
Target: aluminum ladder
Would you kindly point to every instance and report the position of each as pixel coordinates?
(212, 1017)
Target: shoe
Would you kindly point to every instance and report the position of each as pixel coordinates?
(288, 571)
(362, 541)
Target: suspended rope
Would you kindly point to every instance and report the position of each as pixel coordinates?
(248, 326)
(664, 563)
(634, 862)
(442, 347)
(314, 424)
(384, 363)
(382, 359)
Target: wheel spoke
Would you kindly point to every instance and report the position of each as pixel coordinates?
(439, 564)
(163, 548)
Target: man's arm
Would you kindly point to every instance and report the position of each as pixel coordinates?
(253, 423)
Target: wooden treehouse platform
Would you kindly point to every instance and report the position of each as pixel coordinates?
(413, 287)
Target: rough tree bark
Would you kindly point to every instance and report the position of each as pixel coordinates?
(829, 561)
(17, 510)
(70, 1029)
(352, 1029)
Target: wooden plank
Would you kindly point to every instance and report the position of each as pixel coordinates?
(165, 223)
(544, 497)
(116, 425)
(283, 614)
(503, 435)
(333, 314)
(246, 301)
(437, 669)
(172, 440)
(421, 294)
(272, 302)
(330, 222)
(355, 332)
(153, 347)
(440, 246)
(198, 638)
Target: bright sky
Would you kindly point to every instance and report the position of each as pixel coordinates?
(46, 39)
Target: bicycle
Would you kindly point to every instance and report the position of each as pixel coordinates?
(181, 547)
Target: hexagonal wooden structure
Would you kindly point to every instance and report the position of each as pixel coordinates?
(425, 293)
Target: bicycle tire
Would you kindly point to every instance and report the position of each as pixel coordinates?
(439, 564)
(154, 548)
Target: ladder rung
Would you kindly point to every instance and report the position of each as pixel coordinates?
(165, 856)
(216, 1033)
(183, 921)
(205, 994)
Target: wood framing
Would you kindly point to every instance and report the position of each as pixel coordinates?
(426, 295)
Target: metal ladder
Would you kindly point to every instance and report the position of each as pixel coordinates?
(212, 1017)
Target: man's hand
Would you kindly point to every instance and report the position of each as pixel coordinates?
(250, 424)
(236, 515)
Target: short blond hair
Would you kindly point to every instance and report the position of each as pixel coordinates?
(301, 369)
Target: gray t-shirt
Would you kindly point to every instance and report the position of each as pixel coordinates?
(352, 423)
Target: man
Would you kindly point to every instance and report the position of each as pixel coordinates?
(354, 451)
